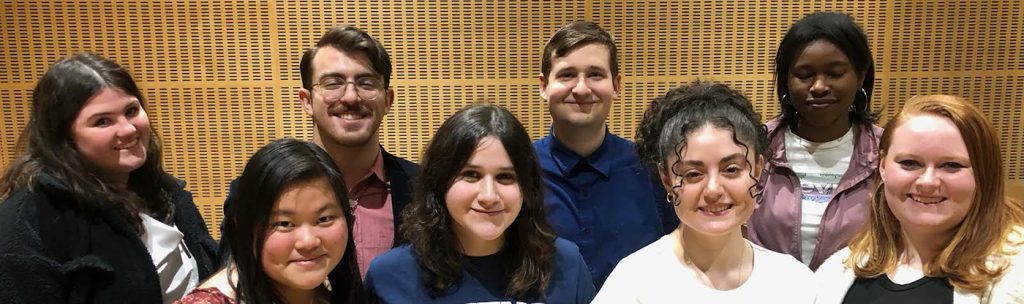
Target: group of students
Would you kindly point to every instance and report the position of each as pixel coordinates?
(709, 205)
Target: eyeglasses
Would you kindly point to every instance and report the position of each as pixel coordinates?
(333, 88)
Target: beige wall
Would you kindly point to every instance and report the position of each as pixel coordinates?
(221, 76)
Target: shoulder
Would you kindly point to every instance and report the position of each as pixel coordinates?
(205, 296)
(778, 262)
(649, 257)
(773, 125)
(392, 162)
(218, 283)
(567, 251)
(395, 263)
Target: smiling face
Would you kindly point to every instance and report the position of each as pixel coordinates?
(822, 85)
(112, 133)
(580, 88)
(712, 182)
(485, 198)
(306, 237)
(929, 180)
(349, 120)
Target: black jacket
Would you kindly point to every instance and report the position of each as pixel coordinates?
(52, 254)
(401, 174)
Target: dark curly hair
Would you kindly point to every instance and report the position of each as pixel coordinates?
(529, 241)
(682, 110)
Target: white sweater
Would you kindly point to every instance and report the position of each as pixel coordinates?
(654, 274)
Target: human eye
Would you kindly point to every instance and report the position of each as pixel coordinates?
(692, 176)
(733, 170)
(326, 220)
(132, 111)
(596, 75)
(506, 178)
(331, 83)
(281, 225)
(368, 84)
(469, 175)
(101, 122)
(566, 75)
(953, 166)
(909, 164)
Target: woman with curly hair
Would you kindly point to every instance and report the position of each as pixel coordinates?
(477, 227)
(706, 142)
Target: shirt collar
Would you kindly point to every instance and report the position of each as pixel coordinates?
(376, 173)
(568, 161)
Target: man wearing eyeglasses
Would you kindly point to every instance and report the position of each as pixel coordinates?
(346, 91)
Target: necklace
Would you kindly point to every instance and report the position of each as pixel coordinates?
(739, 268)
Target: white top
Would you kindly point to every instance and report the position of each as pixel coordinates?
(834, 278)
(819, 166)
(654, 274)
(174, 263)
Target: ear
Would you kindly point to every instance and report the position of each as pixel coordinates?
(543, 85)
(617, 83)
(759, 167)
(389, 100)
(666, 180)
(306, 100)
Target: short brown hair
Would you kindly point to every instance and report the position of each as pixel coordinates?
(348, 39)
(575, 35)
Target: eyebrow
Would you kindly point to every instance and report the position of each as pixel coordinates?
(357, 76)
(508, 168)
(318, 211)
(964, 159)
(730, 158)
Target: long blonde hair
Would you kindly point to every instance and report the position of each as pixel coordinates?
(987, 225)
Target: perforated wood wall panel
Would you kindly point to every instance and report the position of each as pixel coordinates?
(221, 76)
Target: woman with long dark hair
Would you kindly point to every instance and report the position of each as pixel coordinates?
(289, 232)
(823, 149)
(477, 227)
(89, 215)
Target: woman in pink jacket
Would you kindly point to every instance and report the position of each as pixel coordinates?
(823, 149)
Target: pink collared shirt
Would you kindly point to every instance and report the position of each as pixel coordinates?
(374, 227)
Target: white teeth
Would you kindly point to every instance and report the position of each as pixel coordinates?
(350, 116)
(717, 208)
(926, 200)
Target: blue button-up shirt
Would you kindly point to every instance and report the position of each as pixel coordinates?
(608, 203)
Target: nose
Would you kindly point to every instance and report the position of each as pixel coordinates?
(581, 87)
(348, 96)
(488, 193)
(928, 181)
(713, 190)
(126, 128)
(819, 87)
(307, 239)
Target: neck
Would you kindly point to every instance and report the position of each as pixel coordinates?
(476, 247)
(723, 262)
(923, 246)
(826, 134)
(297, 296)
(583, 140)
(353, 161)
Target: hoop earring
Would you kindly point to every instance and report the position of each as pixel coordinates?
(671, 199)
(785, 99)
(866, 99)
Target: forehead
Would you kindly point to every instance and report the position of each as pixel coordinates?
(587, 55)
(305, 196)
(820, 51)
(330, 60)
(927, 134)
(107, 98)
(710, 143)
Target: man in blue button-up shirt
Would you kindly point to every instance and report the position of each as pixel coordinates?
(598, 194)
